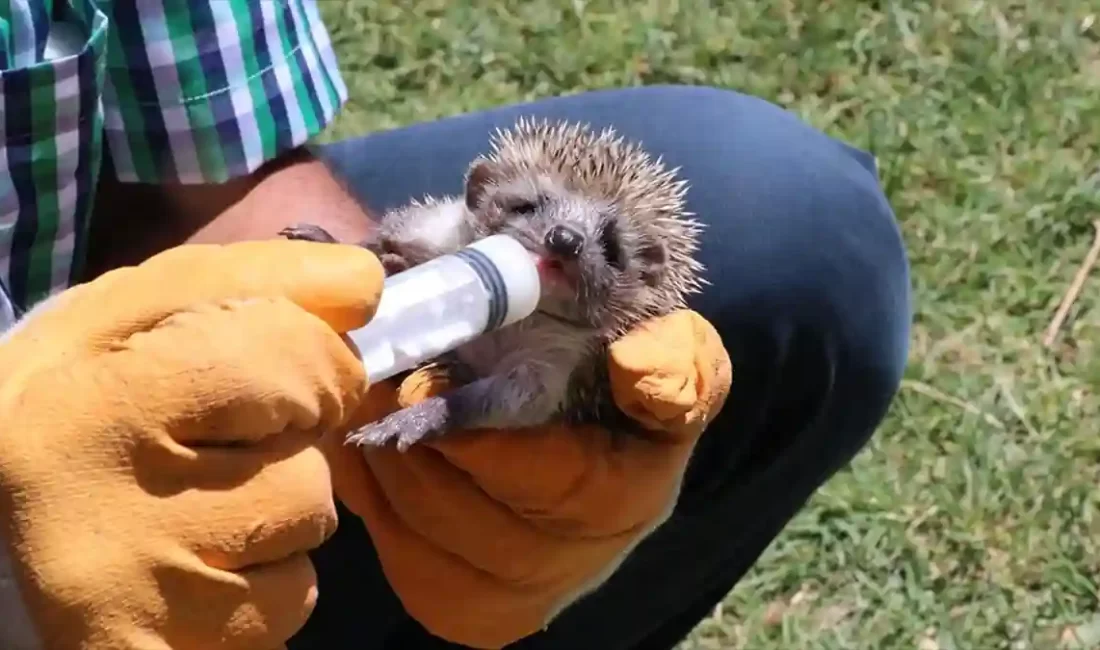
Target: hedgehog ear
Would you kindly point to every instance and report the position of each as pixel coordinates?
(481, 175)
(652, 258)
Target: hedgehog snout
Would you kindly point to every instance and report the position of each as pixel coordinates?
(564, 242)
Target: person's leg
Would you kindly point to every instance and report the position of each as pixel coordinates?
(810, 292)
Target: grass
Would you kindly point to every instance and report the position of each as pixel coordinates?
(971, 522)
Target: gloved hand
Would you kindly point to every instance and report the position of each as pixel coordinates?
(487, 535)
(160, 478)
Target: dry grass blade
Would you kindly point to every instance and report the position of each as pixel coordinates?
(1075, 287)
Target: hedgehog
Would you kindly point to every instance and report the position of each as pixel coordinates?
(615, 246)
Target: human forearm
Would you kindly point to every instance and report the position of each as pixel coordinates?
(133, 221)
(210, 148)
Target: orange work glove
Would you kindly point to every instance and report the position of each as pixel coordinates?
(486, 536)
(160, 481)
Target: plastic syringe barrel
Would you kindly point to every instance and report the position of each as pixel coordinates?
(435, 307)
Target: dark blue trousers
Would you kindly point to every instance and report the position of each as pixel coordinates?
(810, 292)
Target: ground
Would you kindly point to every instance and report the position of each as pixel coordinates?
(971, 521)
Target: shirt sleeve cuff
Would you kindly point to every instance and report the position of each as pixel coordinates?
(203, 92)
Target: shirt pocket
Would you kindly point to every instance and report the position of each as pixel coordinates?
(50, 147)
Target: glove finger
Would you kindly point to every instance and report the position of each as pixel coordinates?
(238, 508)
(481, 608)
(672, 374)
(441, 504)
(237, 373)
(260, 607)
(341, 285)
(573, 482)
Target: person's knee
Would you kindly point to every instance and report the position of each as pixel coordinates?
(809, 281)
(798, 229)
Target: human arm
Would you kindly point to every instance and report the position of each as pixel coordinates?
(255, 206)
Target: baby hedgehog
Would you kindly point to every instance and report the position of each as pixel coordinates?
(615, 246)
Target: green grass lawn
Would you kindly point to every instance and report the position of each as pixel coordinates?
(971, 522)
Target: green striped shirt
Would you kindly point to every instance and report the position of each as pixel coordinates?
(186, 91)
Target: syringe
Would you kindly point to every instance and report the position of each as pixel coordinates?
(437, 306)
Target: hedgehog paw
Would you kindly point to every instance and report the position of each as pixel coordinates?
(405, 427)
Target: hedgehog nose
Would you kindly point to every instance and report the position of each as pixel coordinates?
(564, 242)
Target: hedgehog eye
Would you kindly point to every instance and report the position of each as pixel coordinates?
(609, 242)
(525, 207)
(522, 207)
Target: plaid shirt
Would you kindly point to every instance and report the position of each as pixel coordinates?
(177, 90)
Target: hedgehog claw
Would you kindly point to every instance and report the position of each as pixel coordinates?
(308, 232)
(405, 427)
(374, 435)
